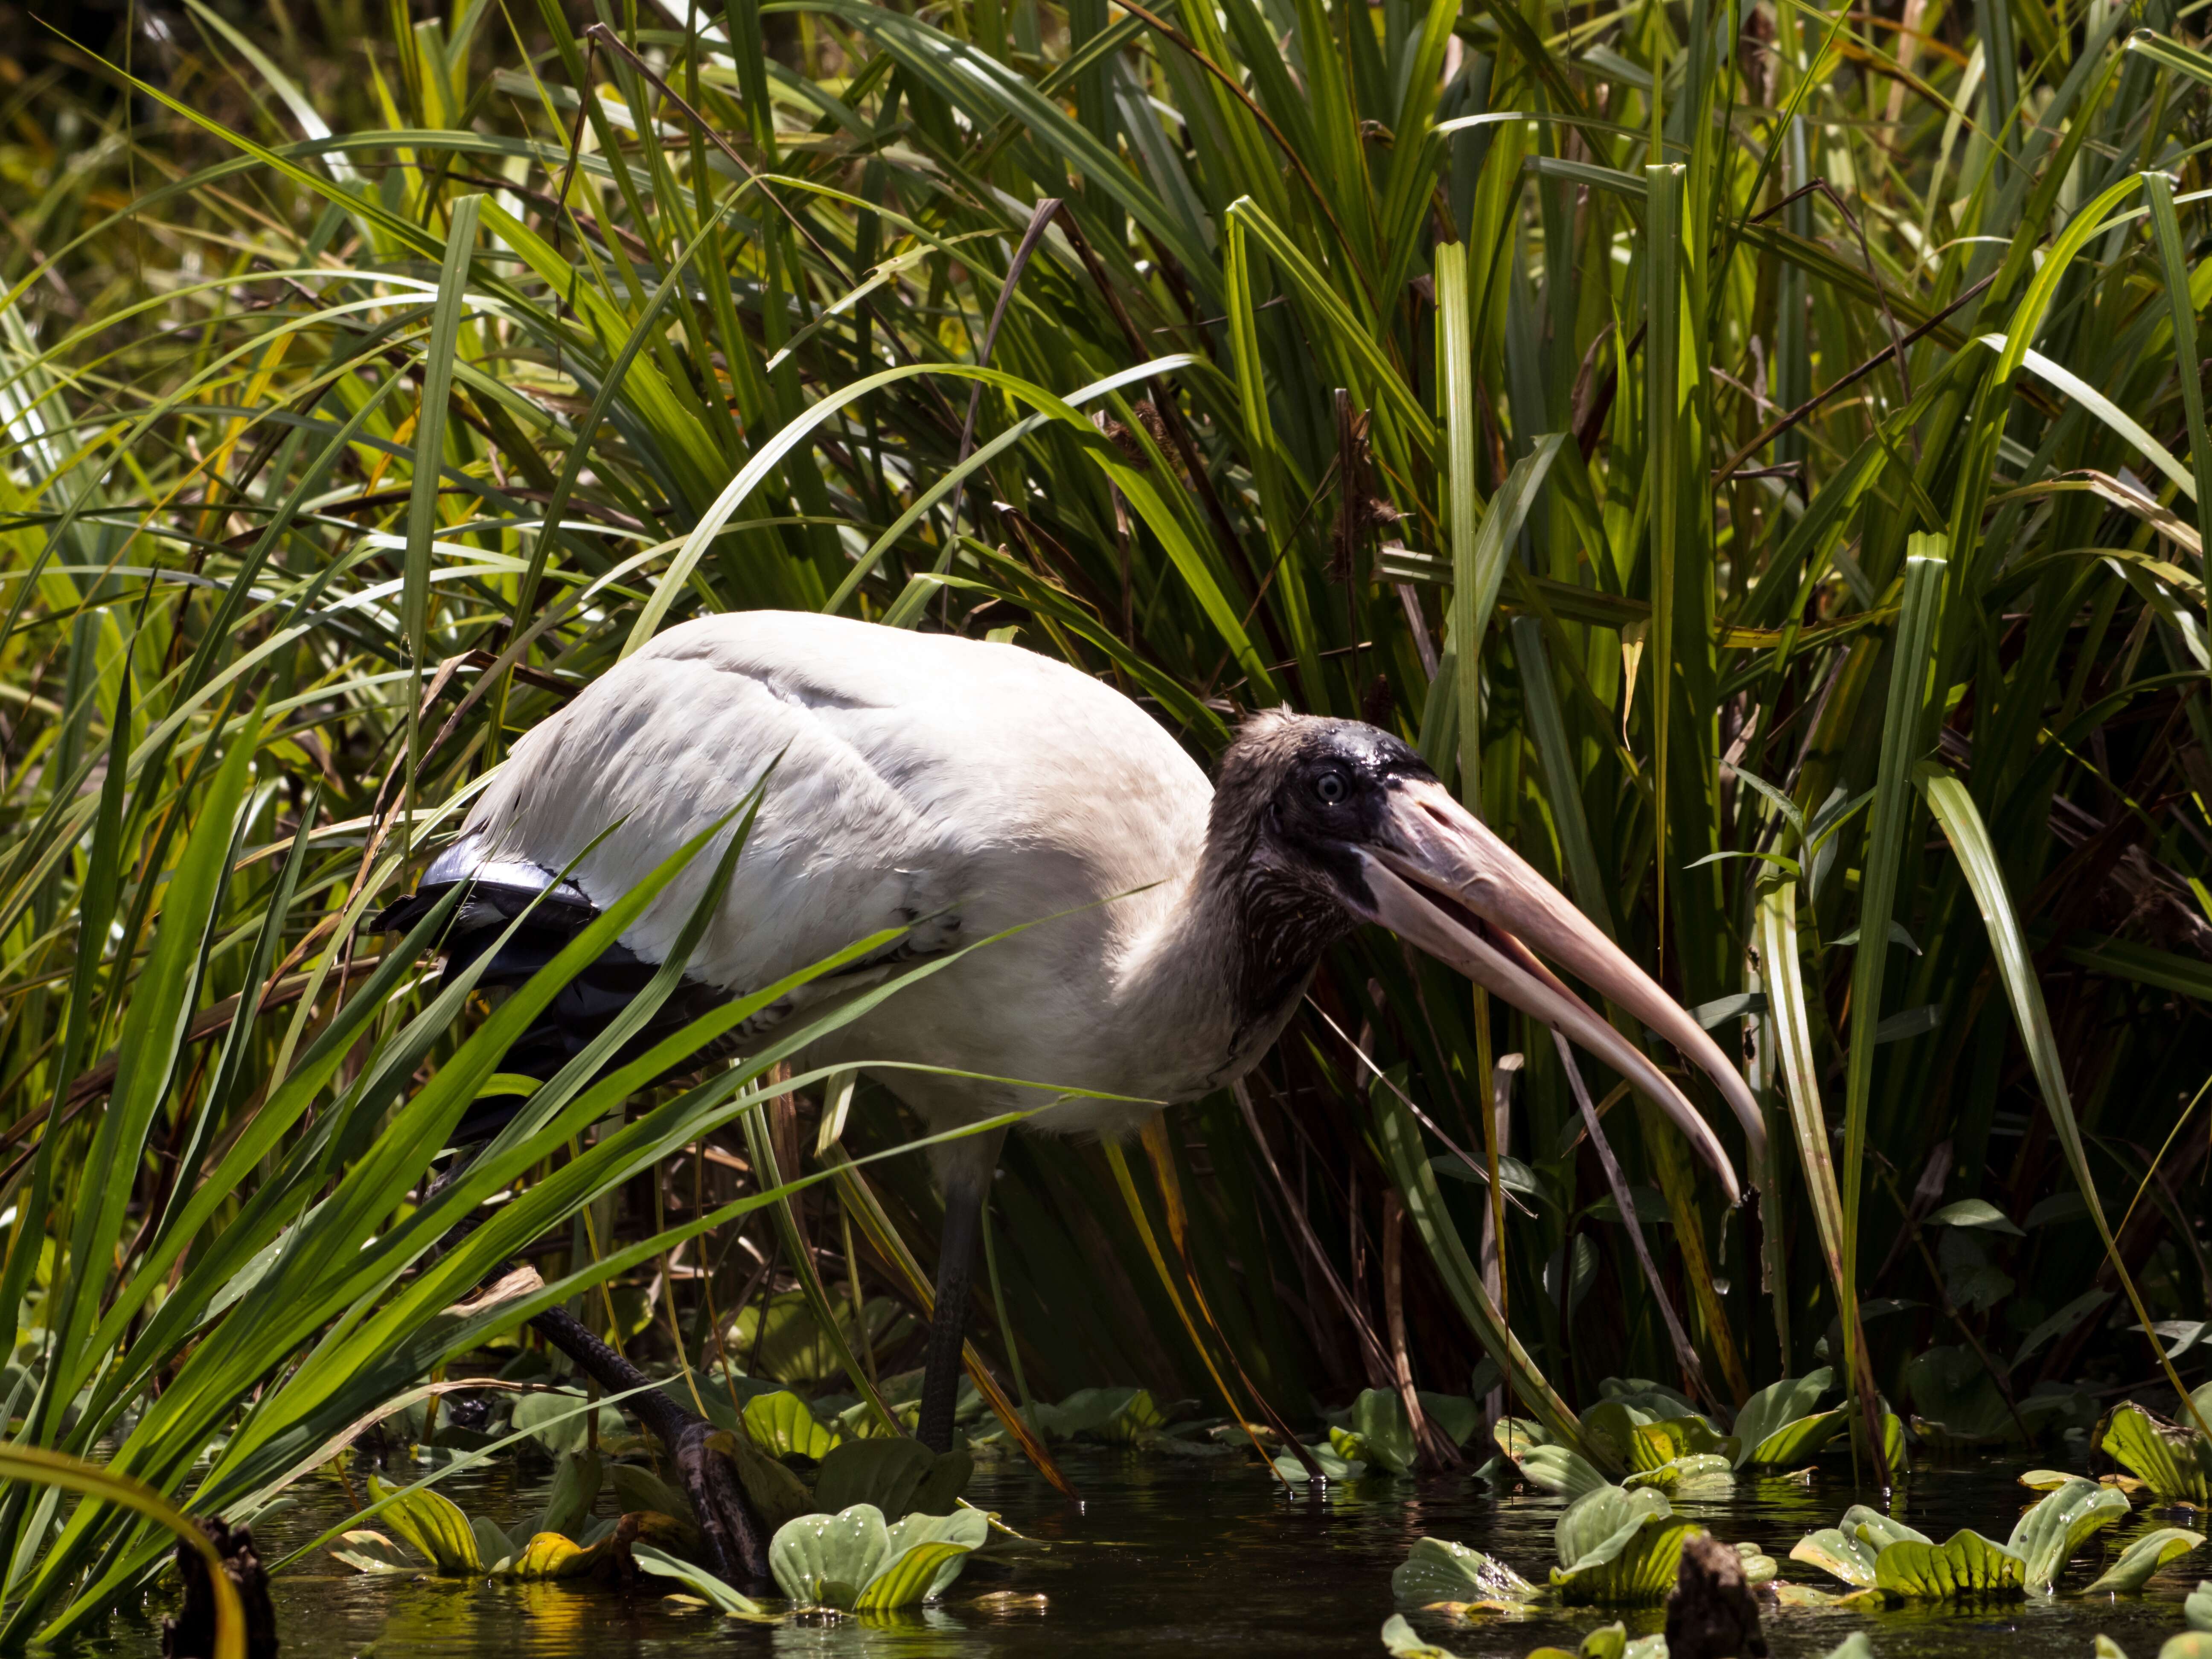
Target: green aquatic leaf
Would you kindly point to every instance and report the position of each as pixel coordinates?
(433, 1524)
(1854, 1646)
(1707, 1473)
(1794, 1443)
(1117, 1416)
(2108, 1648)
(556, 1424)
(776, 1494)
(2175, 1462)
(2058, 1524)
(825, 1560)
(1458, 1416)
(1833, 1550)
(1332, 1467)
(927, 1554)
(781, 1424)
(787, 1342)
(2198, 1608)
(906, 1582)
(2190, 1644)
(1850, 1548)
(640, 1491)
(712, 1590)
(494, 1547)
(1892, 1439)
(1619, 1548)
(1401, 1640)
(1385, 1433)
(891, 1474)
(1773, 1408)
(1606, 1642)
(365, 1551)
(2144, 1556)
(576, 1479)
(1873, 1527)
(1438, 1569)
(555, 1555)
(1561, 1469)
(1965, 1565)
(1758, 1567)
(1517, 1435)
(1610, 1428)
(1673, 1438)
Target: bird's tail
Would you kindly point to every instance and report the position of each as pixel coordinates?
(550, 915)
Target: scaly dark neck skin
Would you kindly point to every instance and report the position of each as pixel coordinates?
(1247, 933)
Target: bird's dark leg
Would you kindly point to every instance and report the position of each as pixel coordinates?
(965, 1178)
(737, 1542)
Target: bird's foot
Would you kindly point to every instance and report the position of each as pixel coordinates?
(736, 1542)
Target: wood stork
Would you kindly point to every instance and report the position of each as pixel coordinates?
(956, 789)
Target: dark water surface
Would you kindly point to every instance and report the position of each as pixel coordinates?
(1173, 1557)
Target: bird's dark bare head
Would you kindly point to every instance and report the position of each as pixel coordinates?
(1295, 799)
(1296, 792)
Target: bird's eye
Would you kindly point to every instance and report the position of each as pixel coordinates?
(1331, 787)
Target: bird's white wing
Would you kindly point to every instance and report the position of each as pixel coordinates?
(915, 777)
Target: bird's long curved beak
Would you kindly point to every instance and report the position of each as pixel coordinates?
(1440, 879)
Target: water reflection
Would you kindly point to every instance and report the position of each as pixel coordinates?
(1172, 1556)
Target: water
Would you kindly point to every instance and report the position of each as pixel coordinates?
(1170, 1557)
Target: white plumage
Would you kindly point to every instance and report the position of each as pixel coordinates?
(978, 786)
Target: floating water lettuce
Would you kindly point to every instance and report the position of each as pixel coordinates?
(434, 1526)
(2198, 1609)
(1379, 1432)
(898, 1477)
(2058, 1524)
(1457, 1415)
(1618, 1430)
(1692, 1473)
(781, 1424)
(1873, 1551)
(554, 1421)
(1619, 1548)
(456, 1545)
(2190, 1644)
(1779, 1426)
(1438, 1569)
(1399, 1638)
(1326, 1459)
(2143, 1557)
(1614, 1642)
(852, 1560)
(1967, 1565)
(1607, 1642)
(710, 1590)
(1545, 1462)
(1121, 1416)
(2175, 1461)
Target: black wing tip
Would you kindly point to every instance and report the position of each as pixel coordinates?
(401, 915)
